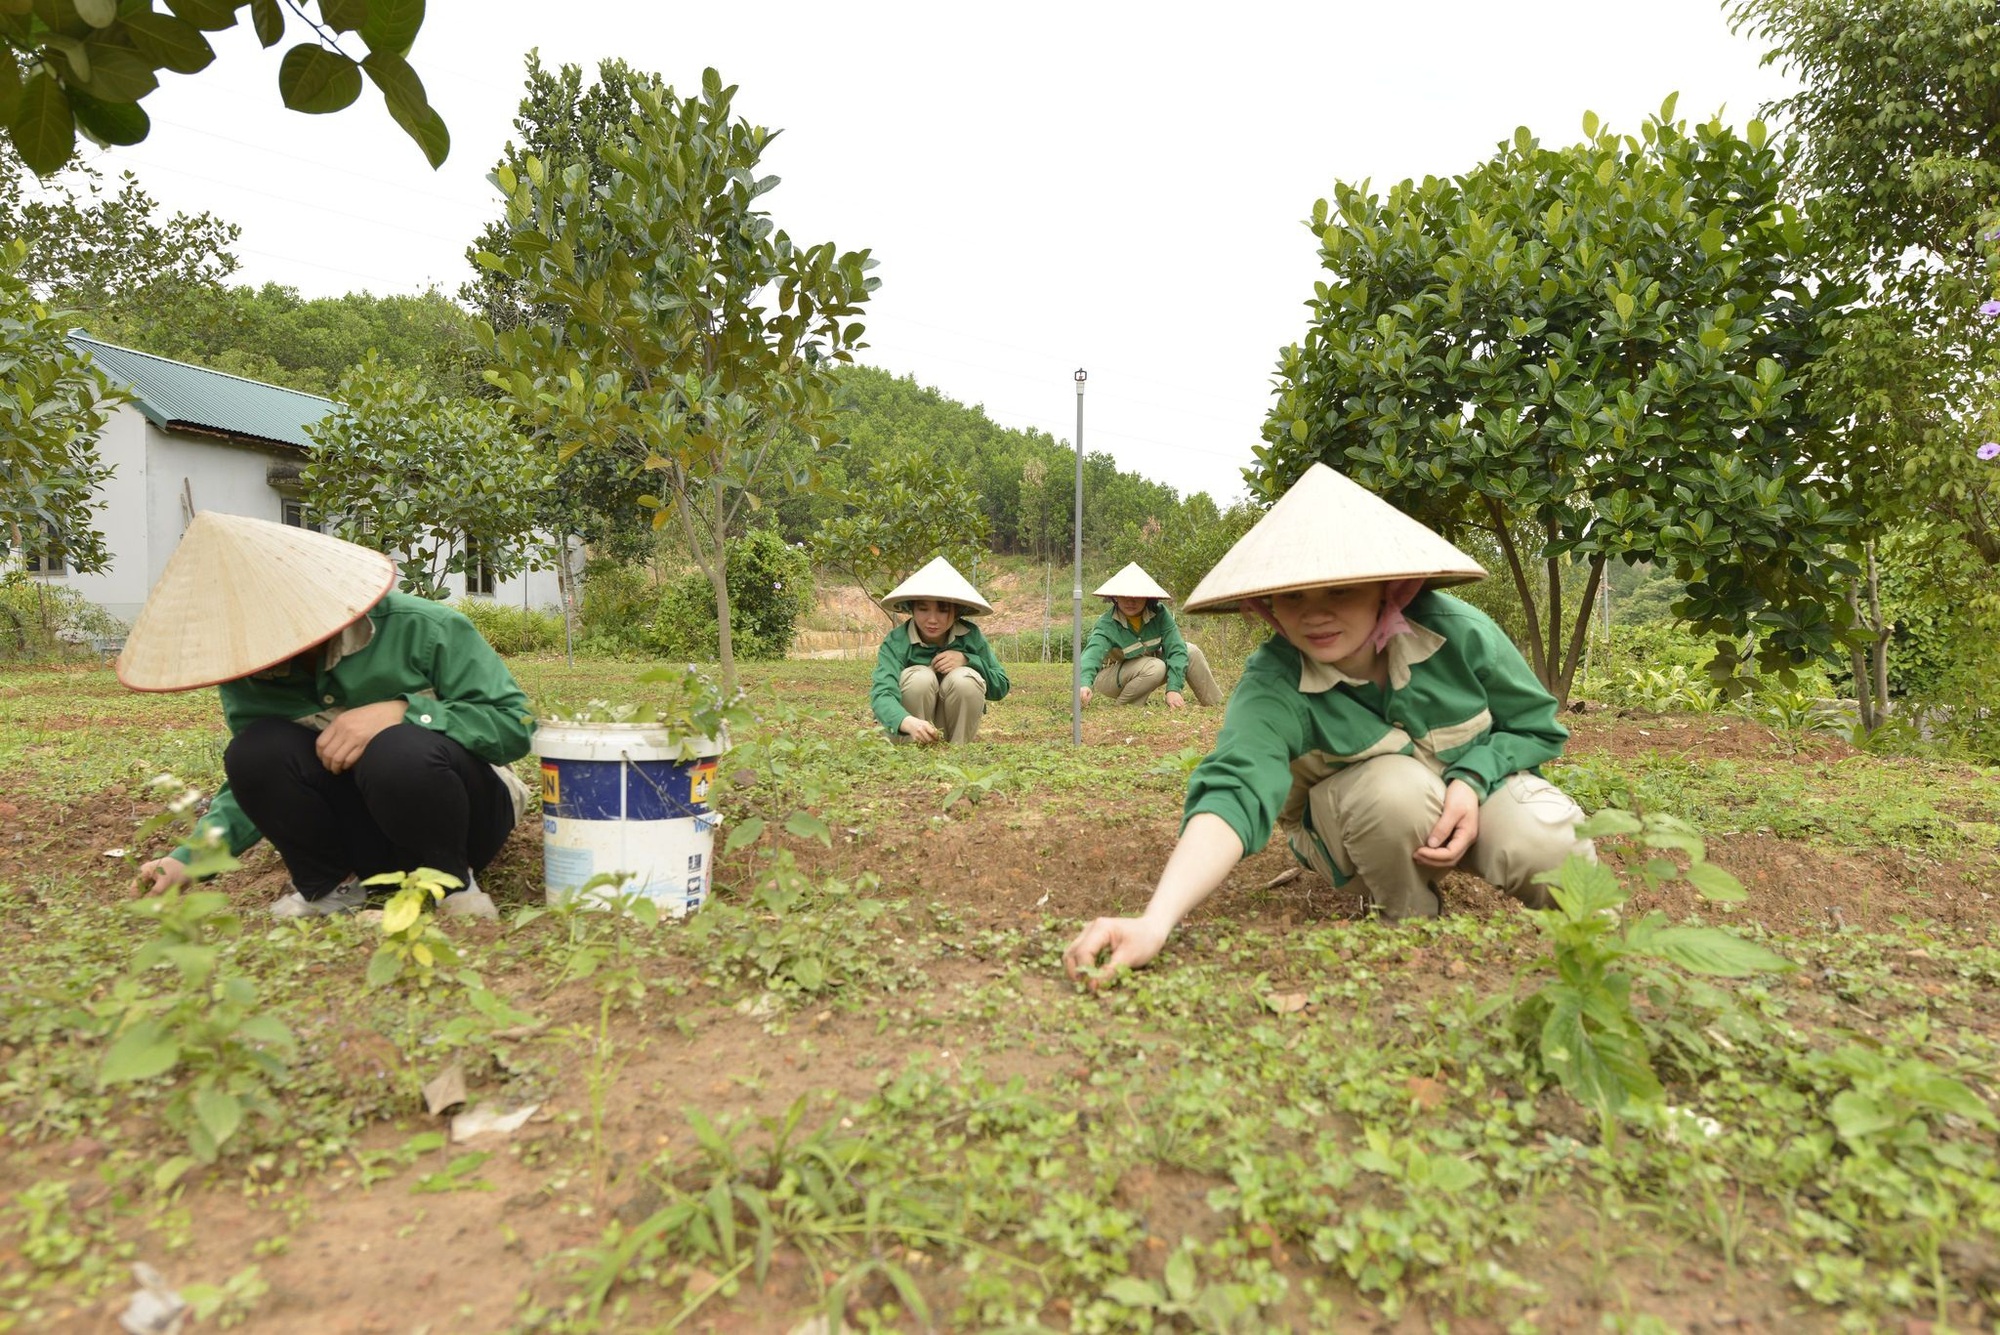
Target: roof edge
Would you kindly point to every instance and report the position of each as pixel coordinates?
(85, 337)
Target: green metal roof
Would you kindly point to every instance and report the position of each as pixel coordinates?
(175, 395)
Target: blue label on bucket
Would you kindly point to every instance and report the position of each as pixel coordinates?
(567, 868)
(625, 789)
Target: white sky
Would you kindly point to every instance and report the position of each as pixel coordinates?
(1046, 186)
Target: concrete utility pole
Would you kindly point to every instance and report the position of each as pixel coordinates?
(1076, 588)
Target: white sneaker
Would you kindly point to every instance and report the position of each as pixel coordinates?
(346, 897)
(471, 902)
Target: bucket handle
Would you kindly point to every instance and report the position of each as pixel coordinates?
(661, 793)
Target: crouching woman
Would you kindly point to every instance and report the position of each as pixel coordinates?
(935, 672)
(1389, 731)
(1136, 648)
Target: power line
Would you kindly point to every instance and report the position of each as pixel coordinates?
(315, 205)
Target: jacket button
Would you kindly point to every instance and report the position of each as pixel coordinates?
(423, 718)
(327, 699)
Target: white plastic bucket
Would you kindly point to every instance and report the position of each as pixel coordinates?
(630, 800)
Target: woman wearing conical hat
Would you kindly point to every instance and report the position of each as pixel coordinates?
(1390, 732)
(370, 730)
(1135, 648)
(935, 672)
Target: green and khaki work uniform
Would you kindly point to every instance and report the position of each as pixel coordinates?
(434, 790)
(906, 683)
(1129, 658)
(1354, 774)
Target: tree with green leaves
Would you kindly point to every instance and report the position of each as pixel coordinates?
(52, 405)
(105, 253)
(674, 323)
(1897, 111)
(445, 485)
(1183, 542)
(904, 510)
(1588, 352)
(560, 120)
(85, 65)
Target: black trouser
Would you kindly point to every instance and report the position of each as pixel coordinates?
(416, 798)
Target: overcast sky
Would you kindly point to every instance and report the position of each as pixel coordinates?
(1046, 186)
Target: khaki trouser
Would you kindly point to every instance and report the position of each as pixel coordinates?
(1370, 819)
(1136, 678)
(953, 703)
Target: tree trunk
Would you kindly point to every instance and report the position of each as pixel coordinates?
(1857, 663)
(1579, 636)
(1882, 631)
(1558, 675)
(1539, 658)
(718, 579)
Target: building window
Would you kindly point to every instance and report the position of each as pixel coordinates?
(293, 513)
(45, 557)
(479, 579)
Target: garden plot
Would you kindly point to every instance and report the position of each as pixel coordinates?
(857, 1085)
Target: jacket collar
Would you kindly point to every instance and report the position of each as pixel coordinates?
(1405, 651)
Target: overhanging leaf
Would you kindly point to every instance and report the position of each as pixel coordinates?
(346, 15)
(268, 20)
(171, 43)
(110, 122)
(392, 25)
(316, 81)
(404, 93)
(43, 130)
(10, 86)
(207, 15)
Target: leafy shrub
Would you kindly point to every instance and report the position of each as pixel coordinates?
(513, 630)
(43, 620)
(616, 605)
(1673, 689)
(770, 588)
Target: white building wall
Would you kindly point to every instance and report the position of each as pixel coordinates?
(142, 509)
(121, 516)
(539, 589)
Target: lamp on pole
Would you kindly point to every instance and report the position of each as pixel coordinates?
(1076, 587)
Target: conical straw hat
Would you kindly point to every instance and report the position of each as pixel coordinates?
(937, 580)
(1132, 582)
(240, 595)
(1328, 531)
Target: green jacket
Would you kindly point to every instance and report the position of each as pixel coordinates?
(1460, 698)
(903, 648)
(1113, 639)
(406, 648)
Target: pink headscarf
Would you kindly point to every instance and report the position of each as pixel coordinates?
(1396, 595)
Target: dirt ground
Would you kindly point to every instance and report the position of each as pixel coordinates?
(354, 1260)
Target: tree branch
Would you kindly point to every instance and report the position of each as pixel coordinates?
(1521, 585)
